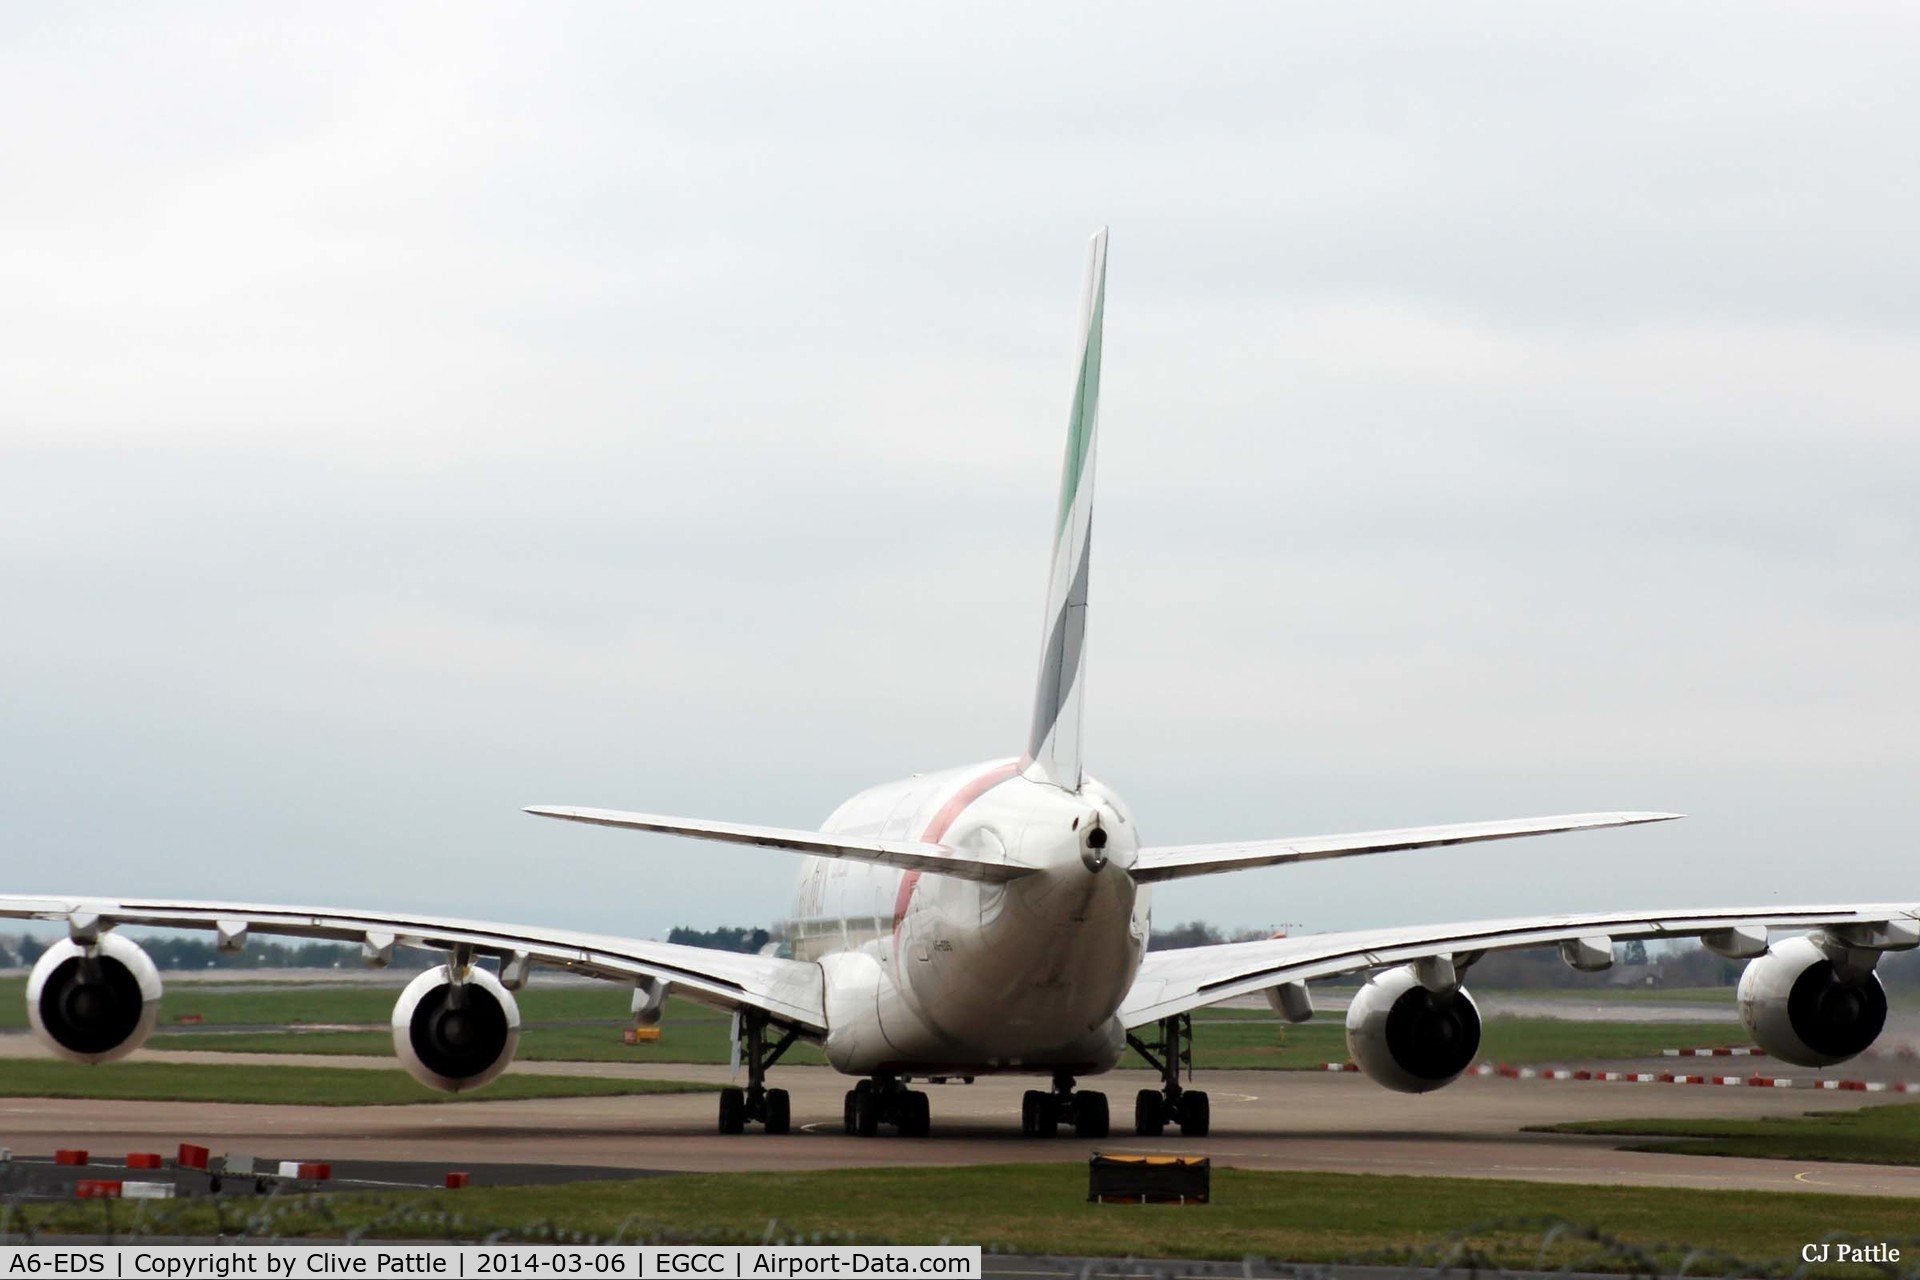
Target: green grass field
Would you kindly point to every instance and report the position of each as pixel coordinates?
(1255, 1041)
(1644, 995)
(689, 1041)
(303, 1086)
(569, 1022)
(1261, 1041)
(1305, 1217)
(1870, 1135)
(1901, 994)
(280, 1004)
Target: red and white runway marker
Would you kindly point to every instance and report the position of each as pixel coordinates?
(1755, 1081)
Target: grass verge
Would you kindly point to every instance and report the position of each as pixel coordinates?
(1254, 1041)
(697, 1040)
(1304, 1217)
(298, 1086)
(1870, 1135)
(1266, 1043)
(574, 1023)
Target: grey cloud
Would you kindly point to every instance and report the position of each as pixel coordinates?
(413, 416)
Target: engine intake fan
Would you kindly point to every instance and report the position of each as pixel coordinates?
(93, 1002)
(454, 1036)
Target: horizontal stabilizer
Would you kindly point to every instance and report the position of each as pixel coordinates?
(1174, 862)
(909, 855)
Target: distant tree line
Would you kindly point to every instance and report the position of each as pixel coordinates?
(1198, 933)
(196, 951)
(1535, 969)
(192, 952)
(725, 938)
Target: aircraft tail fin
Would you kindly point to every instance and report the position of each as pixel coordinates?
(1053, 742)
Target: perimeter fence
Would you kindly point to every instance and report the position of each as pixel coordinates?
(1519, 1248)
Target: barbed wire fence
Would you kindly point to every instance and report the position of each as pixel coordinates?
(1495, 1247)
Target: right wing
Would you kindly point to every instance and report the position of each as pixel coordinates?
(1174, 862)
(1176, 981)
(790, 991)
(908, 855)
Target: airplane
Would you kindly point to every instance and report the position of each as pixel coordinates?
(993, 919)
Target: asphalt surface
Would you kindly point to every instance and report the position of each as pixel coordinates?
(1262, 1120)
(38, 1178)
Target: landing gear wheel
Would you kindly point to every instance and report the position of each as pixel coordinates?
(1149, 1113)
(1090, 1115)
(733, 1110)
(866, 1114)
(1196, 1116)
(779, 1111)
(916, 1115)
(846, 1112)
(1038, 1116)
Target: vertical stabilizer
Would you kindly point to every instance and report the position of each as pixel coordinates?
(1053, 743)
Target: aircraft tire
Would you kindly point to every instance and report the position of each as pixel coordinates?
(1149, 1113)
(733, 1111)
(846, 1112)
(779, 1111)
(916, 1115)
(1196, 1114)
(1090, 1115)
(1033, 1114)
(866, 1114)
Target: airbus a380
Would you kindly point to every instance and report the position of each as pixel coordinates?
(994, 919)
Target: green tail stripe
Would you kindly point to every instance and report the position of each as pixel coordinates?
(1086, 403)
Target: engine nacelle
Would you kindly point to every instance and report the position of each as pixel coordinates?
(1803, 1008)
(1409, 1038)
(454, 1036)
(93, 1003)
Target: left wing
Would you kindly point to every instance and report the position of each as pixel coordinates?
(1173, 862)
(788, 990)
(1172, 982)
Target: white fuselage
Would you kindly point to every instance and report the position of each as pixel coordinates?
(932, 975)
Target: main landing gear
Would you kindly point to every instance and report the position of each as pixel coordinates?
(1042, 1113)
(771, 1108)
(1155, 1109)
(888, 1101)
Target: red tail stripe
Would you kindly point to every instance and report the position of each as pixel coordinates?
(937, 829)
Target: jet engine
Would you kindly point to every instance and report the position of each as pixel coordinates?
(455, 1035)
(1803, 1006)
(93, 1002)
(1409, 1038)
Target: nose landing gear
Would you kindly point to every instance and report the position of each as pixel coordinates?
(1155, 1109)
(1042, 1113)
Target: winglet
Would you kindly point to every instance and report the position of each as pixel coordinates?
(1053, 741)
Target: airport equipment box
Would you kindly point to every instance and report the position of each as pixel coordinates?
(1124, 1179)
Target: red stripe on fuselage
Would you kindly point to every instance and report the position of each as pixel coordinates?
(937, 830)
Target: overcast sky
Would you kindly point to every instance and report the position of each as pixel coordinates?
(412, 413)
